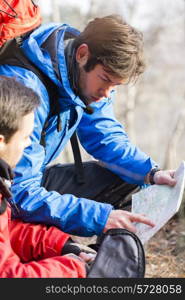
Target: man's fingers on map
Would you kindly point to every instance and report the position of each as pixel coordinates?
(125, 219)
(140, 218)
(120, 219)
(172, 173)
(127, 224)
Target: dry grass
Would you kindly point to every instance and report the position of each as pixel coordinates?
(165, 252)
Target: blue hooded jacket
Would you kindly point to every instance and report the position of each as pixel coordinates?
(100, 134)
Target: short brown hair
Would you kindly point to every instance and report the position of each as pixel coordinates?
(16, 101)
(114, 44)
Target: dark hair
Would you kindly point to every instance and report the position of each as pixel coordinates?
(114, 44)
(3, 205)
(16, 101)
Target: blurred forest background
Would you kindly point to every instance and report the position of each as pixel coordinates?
(152, 110)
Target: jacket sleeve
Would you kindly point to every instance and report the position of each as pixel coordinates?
(36, 241)
(14, 266)
(107, 141)
(57, 266)
(32, 202)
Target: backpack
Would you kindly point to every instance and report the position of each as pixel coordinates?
(17, 17)
(120, 254)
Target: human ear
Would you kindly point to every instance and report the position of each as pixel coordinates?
(2, 142)
(82, 54)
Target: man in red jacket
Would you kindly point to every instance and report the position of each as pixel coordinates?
(27, 250)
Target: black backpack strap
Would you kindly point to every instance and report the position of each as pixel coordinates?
(12, 54)
(50, 46)
(77, 158)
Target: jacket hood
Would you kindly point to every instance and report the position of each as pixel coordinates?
(32, 47)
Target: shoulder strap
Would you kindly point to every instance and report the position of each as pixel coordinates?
(78, 159)
(12, 54)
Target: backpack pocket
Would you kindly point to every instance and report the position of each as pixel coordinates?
(120, 255)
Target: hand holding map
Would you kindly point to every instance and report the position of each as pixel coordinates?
(159, 203)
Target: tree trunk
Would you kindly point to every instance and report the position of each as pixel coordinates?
(171, 152)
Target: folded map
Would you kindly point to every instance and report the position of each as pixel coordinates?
(159, 203)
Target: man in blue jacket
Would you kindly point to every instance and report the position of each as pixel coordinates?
(85, 68)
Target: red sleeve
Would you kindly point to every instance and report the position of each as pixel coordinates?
(11, 266)
(31, 241)
(55, 267)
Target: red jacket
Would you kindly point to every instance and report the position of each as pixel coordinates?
(34, 251)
